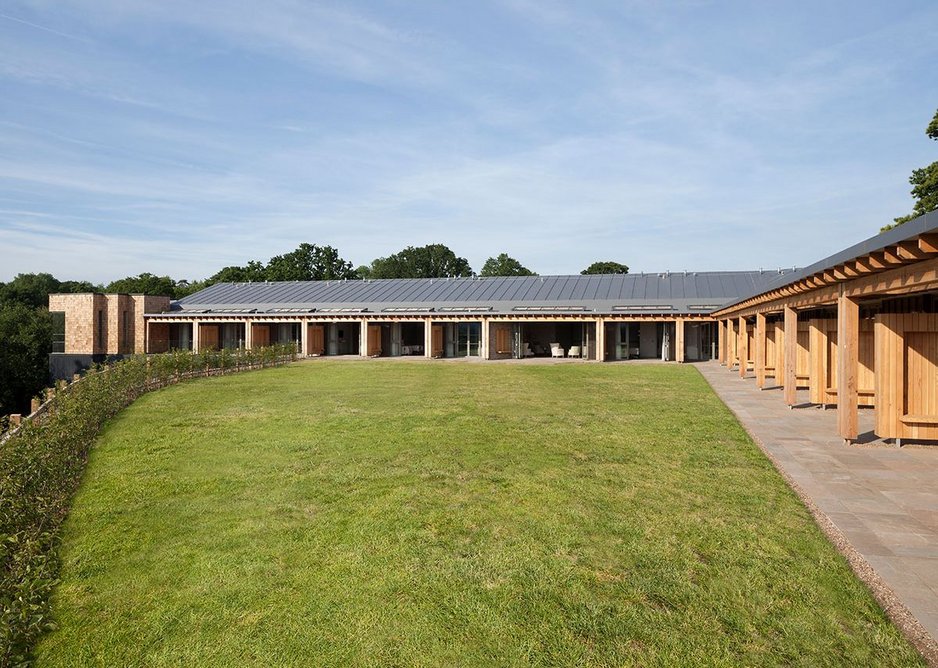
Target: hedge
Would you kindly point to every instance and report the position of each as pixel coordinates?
(41, 465)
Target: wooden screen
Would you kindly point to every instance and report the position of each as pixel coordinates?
(208, 337)
(437, 341)
(503, 339)
(374, 340)
(824, 356)
(906, 348)
(315, 340)
(750, 346)
(260, 336)
(802, 367)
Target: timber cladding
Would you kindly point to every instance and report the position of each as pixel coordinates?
(823, 360)
(316, 340)
(906, 351)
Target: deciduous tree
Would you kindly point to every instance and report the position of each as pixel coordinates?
(504, 265)
(606, 267)
(924, 184)
(309, 262)
(432, 261)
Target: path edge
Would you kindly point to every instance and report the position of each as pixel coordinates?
(892, 605)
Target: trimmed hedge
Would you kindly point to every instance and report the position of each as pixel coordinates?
(41, 466)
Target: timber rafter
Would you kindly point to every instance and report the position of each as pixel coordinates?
(902, 268)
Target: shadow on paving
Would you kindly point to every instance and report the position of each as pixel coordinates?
(882, 499)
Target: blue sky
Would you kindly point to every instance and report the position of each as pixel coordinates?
(179, 137)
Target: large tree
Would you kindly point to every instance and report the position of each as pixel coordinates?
(145, 284)
(34, 289)
(504, 265)
(433, 261)
(606, 267)
(253, 271)
(924, 184)
(26, 336)
(309, 262)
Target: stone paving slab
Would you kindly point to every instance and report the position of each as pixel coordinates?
(884, 499)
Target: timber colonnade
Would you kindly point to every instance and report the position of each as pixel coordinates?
(857, 329)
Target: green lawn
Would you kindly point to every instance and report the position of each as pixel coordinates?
(395, 513)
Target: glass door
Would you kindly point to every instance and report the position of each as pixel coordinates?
(468, 339)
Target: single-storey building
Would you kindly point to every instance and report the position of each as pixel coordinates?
(856, 329)
(664, 315)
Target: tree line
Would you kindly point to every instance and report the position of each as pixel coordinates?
(26, 328)
(924, 184)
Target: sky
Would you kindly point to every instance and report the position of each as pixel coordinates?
(178, 137)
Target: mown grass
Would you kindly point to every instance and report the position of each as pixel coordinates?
(449, 514)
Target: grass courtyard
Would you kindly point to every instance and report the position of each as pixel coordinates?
(398, 513)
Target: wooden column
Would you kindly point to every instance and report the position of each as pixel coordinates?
(721, 341)
(760, 350)
(791, 356)
(428, 338)
(195, 336)
(848, 363)
(742, 348)
(304, 337)
(485, 352)
(679, 340)
(731, 342)
(248, 334)
(600, 340)
(363, 338)
(817, 351)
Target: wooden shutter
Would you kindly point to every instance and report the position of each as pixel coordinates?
(208, 337)
(503, 339)
(437, 337)
(374, 340)
(316, 340)
(260, 336)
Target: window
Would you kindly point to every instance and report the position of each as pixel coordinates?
(127, 331)
(58, 331)
(101, 329)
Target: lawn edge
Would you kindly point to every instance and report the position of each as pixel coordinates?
(892, 605)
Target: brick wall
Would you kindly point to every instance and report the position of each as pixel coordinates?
(97, 324)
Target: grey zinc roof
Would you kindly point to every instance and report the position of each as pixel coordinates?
(924, 224)
(670, 292)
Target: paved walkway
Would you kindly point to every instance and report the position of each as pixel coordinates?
(882, 498)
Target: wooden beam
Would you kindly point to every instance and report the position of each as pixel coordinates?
(928, 243)
(909, 250)
(743, 347)
(891, 257)
(863, 266)
(848, 363)
(877, 261)
(791, 356)
(760, 350)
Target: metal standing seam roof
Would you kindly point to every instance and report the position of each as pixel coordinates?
(924, 224)
(668, 292)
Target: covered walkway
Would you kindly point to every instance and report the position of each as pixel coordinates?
(882, 499)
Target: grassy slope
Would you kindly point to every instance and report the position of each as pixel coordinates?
(394, 513)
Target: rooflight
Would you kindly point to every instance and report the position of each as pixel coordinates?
(551, 308)
(407, 309)
(644, 307)
(463, 309)
(342, 310)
